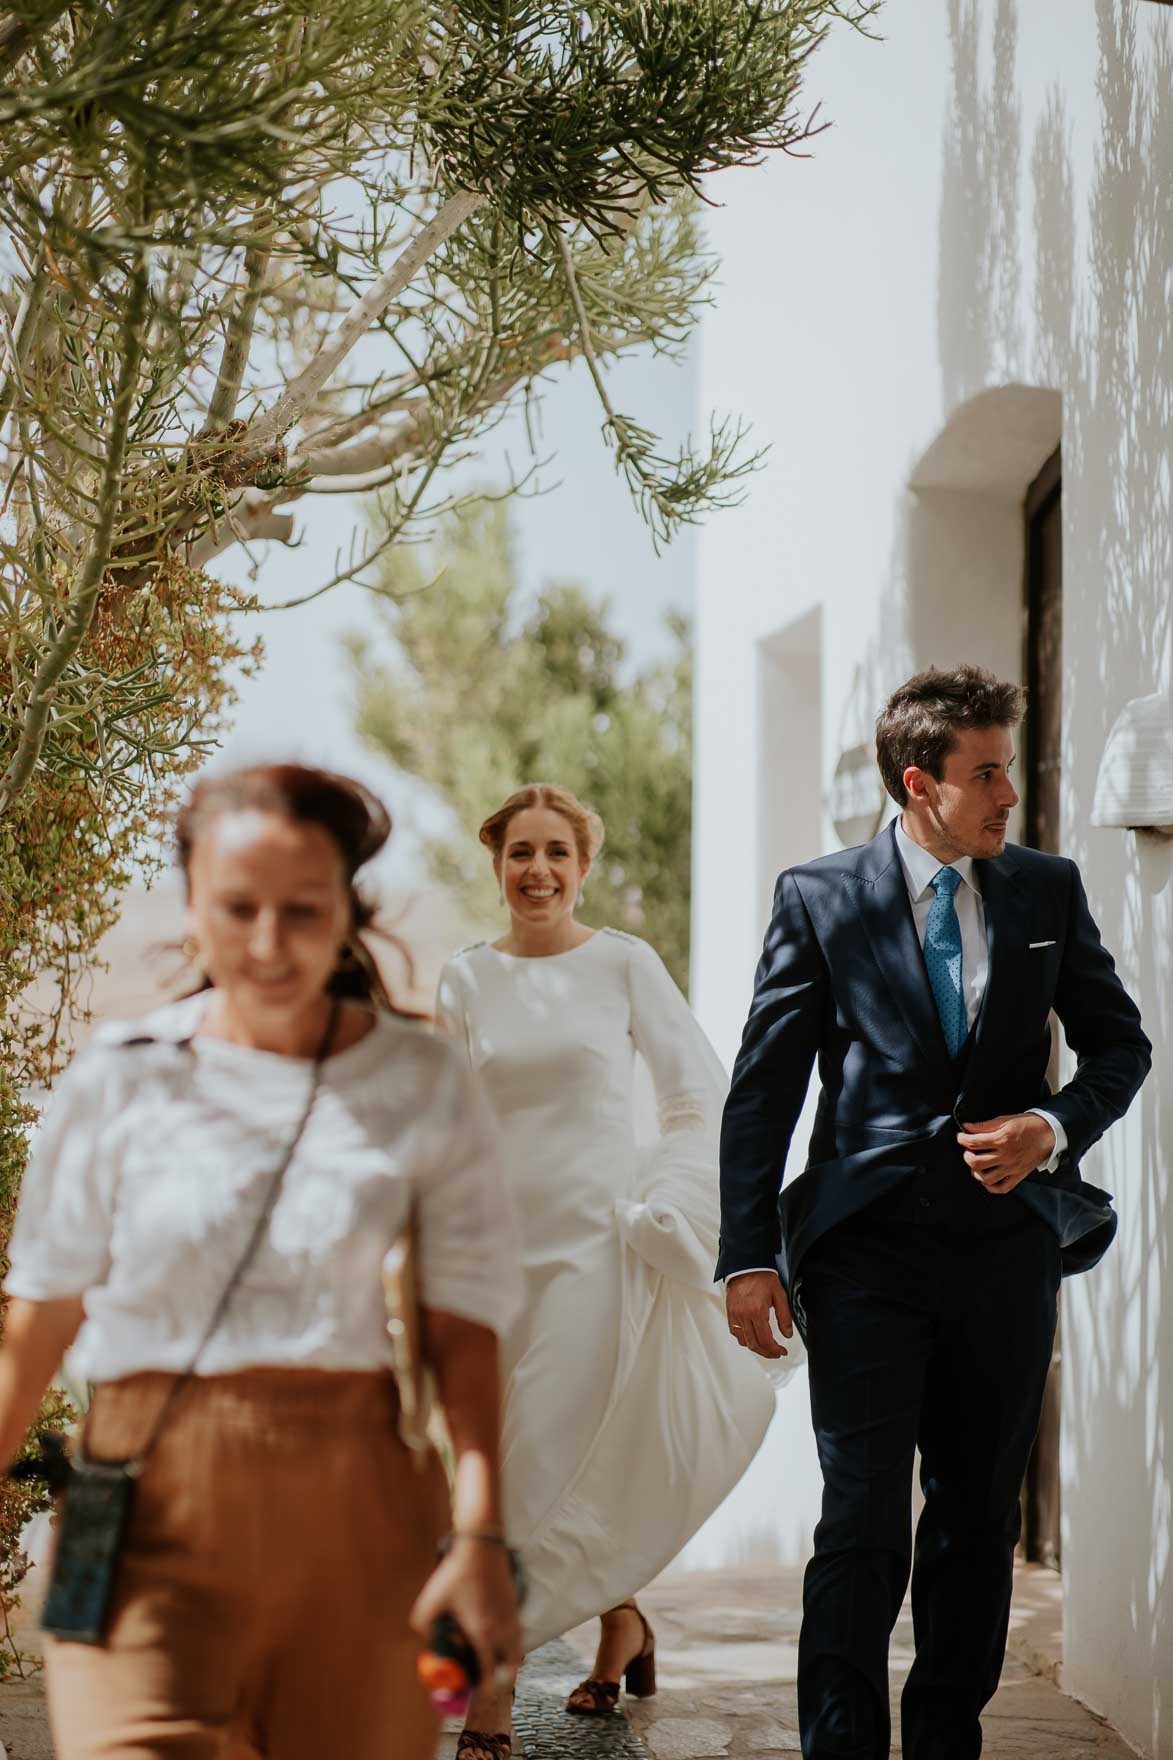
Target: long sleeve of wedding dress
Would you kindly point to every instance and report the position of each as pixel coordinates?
(630, 1413)
(672, 1219)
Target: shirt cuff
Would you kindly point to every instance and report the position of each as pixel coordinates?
(1051, 1166)
(750, 1271)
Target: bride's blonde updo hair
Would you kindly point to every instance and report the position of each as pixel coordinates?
(588, 827)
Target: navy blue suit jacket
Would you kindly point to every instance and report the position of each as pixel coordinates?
(842, 981)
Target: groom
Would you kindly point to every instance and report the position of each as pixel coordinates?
(923, 1245)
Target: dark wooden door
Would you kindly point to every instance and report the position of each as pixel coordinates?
(1042, 776)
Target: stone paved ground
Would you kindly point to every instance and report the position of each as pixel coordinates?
(726, 1651)
(726, 1656)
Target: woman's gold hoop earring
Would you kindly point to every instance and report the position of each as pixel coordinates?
(190, 949)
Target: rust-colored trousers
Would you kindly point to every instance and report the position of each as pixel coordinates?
(279, 1536)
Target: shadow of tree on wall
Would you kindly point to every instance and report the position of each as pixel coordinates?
(888, 654)
(1102, 322)
(979, 278)
(1112, 347)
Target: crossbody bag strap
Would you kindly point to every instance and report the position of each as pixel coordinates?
(273, 1191)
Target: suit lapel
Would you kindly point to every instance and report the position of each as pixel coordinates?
(1005, 903)
(881, 896)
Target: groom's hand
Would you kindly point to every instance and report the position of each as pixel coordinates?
(1001, 1152)
(749, 1301)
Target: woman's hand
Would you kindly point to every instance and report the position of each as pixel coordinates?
(474, 1584)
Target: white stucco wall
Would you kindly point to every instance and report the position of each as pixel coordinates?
(991, 209)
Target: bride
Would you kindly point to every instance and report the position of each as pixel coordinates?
(629, 1412)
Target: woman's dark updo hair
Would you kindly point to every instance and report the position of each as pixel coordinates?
(354, 817)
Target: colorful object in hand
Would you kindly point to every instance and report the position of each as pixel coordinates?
(448, 1669)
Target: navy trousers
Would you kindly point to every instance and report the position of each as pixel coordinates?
(930, 1321)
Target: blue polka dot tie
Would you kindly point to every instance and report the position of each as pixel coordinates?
(943, 958)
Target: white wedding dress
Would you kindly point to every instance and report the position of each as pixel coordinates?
(630, 1413)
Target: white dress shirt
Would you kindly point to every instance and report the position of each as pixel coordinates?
(920, 870)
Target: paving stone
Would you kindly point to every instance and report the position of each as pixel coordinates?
(1038, 1702)
(687, 1738)
(766, 1738)
(774, 1699)
(23, 1724)
(547, 1732)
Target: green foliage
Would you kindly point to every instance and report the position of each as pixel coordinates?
(652, 95)
(477, 699)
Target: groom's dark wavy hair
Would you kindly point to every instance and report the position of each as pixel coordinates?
(920, 722)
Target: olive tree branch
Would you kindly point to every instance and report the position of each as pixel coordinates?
(237, 342)
(297, 396)
(19, 337)
(366, 464)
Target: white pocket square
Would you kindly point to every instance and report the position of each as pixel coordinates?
(1035, 944)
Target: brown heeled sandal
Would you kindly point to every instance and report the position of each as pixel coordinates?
(595, 1698)
(472, 1744)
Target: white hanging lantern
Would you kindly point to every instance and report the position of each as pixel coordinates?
(1134, 789)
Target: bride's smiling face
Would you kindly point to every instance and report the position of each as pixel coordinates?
(540, 869)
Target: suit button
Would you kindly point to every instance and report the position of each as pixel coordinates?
(924, 1203)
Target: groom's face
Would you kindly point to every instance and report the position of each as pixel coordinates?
(969, 806)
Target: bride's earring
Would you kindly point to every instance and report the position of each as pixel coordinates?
(189, 947)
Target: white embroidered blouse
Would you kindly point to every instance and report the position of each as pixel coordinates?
(152, 1162)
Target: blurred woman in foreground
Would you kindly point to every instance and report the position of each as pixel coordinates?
(281, 1543)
